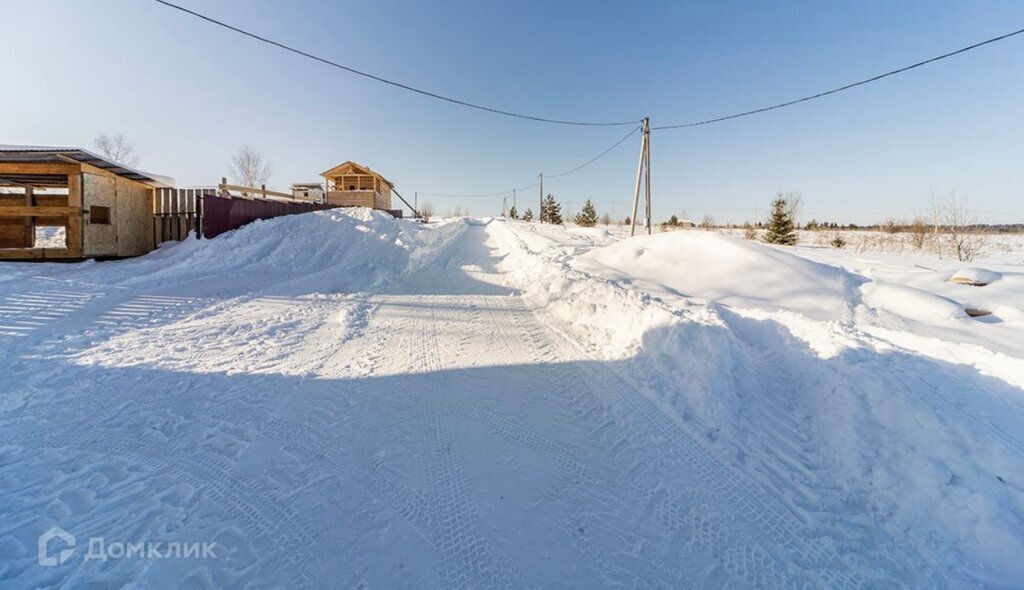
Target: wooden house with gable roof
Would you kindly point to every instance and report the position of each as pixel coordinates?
(355, 185)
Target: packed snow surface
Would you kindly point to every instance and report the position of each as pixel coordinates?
(341, 399)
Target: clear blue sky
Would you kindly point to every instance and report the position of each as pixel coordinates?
(189, 94)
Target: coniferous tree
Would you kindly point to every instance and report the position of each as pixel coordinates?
(587, 217)
(528, 215)
(781, 228)
(513, 213)
(551, 211)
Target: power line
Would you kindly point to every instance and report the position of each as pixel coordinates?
(597, 157)
(559, 175)
(385, 80)
(842, 88)
(477, 195)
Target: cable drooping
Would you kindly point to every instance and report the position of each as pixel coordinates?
(390, 82)
(841, 88)
(535, 183)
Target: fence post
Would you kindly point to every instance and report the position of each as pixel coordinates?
(199, 214)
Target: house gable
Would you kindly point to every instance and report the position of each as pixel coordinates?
(353, 168)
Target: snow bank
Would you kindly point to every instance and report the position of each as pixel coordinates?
(927, 450)
(975, 276)
(280, 283)
(614, 322)
(370, 244)
(912, 303)
(727, 270)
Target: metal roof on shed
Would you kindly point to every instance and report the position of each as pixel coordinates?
(53, 154)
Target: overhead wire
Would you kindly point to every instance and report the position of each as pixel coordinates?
(513, 114)
(383, 80)
(841, 88)
(604, 153)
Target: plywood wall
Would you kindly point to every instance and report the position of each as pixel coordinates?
(130, 231)
(100, 239)
(134, 221)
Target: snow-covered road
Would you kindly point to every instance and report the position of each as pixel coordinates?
(402, 419)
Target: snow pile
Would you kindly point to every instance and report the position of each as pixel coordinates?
(927, 450)
(991, 343)
(912, 303)
(727, 270)
(975, 276)
(370, 245)
(279, 280)
(614, 322)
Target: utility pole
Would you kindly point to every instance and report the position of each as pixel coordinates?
(416, 200)
(540, 214)
(514, 199)
(643, 178)
(504, 204)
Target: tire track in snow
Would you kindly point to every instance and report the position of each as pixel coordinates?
(809, 554)
(446, 514)
(816, 558)
(742, 559)
(652, 508)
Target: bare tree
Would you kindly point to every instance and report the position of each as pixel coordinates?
(891, 226)
(426, 210)
(959, 228)
(794, 204)
(919, 232)
(116, 148)
(249, 167)
(708, 222)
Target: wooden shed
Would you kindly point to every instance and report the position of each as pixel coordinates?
(103, 208)
(355, 185)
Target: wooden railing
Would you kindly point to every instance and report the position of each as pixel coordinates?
(250, 192)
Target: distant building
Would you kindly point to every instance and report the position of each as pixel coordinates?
(309, 191)
(355, 185)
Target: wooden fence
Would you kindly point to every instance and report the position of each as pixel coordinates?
(176, 212)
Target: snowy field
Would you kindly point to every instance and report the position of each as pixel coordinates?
(341, 399)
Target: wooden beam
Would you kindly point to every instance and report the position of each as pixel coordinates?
(16, 182)
(26, 211)
(21, 254)
(40, 254)
(254, 191)
(89, 168)
(38, 168)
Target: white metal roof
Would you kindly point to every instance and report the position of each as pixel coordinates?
(43, 153)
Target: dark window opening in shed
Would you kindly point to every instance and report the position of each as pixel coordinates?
(99, 215)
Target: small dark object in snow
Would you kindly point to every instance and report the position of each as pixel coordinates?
(977, 313)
